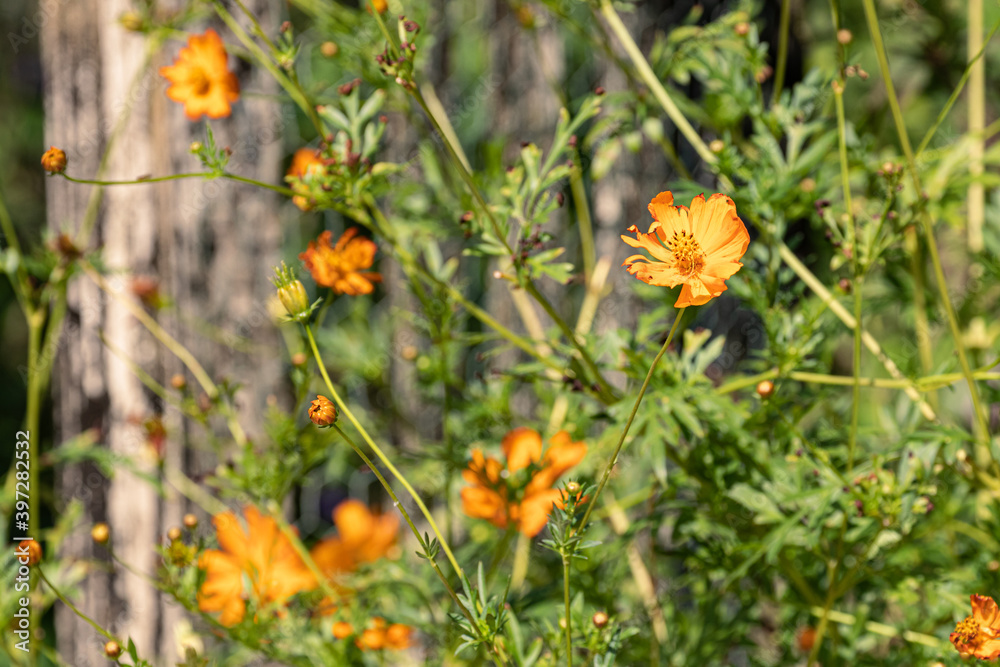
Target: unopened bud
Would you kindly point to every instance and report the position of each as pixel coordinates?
(323, 412)
(112, 649)
(174, 534)
(742, 28)
(100, 533)
(765, 388)
(178, 382)
(190, 521)
(329, 49)
(844, 36)
(600, 619)
(30, 549)
(54, 160)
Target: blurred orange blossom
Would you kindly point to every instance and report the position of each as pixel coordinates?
(523, 501)
(200, 78)
(262, 554)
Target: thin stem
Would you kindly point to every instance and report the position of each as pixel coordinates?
(814, 283)
(294, 91)
(569, 623)
(977, 122)
(584, 221)
(873, 27)
(631, 417)
(76, 611)
(649, 77)
(379, 453)
(173, 177)
(779, 70)
(845, 180)
(173, 345)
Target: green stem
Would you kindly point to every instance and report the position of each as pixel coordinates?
(569, 622)
(173, 177)
(779, 70)
(649, 77)
(294, 91)
(379, 453)
(873, 27)
(582, 207)
(76, 611)
(845, 180)
(631, 417)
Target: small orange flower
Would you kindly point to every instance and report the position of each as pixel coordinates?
(322, 411)
(262, 554)
(54, 160)
(979, 635)
(305, 162)
(699, 247)
(338, 266)
(200, 78)
(397, 636)
(342, 630)
(522, 500)
(380, 6)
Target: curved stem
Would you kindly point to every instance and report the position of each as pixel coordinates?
(379, 453)
(779, 70)
(76, 611)
(631, 417)
(174, 177)
(873, 27)
(649, 77)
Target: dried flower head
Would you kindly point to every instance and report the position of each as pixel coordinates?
(698, 247)
(200, 78)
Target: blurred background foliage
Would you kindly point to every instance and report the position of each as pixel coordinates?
(746, 497)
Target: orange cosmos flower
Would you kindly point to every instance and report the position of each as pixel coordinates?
(363, 537)
(699, 247)
(979, 635)
(397, 636)
(522, 500)
(337, 266)
(262, 554)
(305, 162)
(200, 78)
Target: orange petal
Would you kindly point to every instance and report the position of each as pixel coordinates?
(482, 503)
(522, 446)
(561, 455)
(354, 522)
(230, 534)
(533, 511)
(985, 611)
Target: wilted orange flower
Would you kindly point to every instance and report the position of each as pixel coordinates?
(521, 499)
(699, 247)
(305, 162)
(322, 411)
(979, 635)
(262, 554)
(200, 78)
(338, 266)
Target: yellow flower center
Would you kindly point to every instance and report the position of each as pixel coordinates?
(688, 255)
(967, 630)
(199, 81)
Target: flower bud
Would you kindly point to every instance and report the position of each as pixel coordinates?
(131, 21)
(765, 388)
(742, 28)
(112, 649)
(844, 36)
(174, 534)
(100, 533)
(178, 382)
(573, 487)
(329, 49)
(291, 293)
(600, 619)
(54, 160)
(195, 146)
(190, 521)
(299, 359)
(717, 145)
(323, 412)
(342, 630)
(32, 549)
